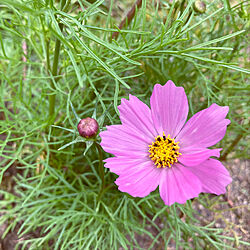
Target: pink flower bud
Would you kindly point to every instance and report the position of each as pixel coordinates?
(88, 127)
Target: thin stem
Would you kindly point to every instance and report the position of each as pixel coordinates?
(52, 97)
(47, 55)
(104, 190)
(231, 147)
(232, 14)
(128, 18)
(101, 169)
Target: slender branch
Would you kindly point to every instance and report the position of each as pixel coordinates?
(101, 170)
(52, 97)
(231, 147)
(128, 18)
(47, 55)
(24, 59)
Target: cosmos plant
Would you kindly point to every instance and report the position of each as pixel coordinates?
(157, 147)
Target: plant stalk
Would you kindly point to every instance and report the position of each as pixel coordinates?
(128, 18)
(52, 97)
(231, 147)
(101, 169)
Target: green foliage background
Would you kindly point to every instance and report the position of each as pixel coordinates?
(73, 68)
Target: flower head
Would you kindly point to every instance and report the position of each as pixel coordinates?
(157, 147)
(88, 127)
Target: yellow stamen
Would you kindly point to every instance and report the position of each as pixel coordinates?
(164, 151)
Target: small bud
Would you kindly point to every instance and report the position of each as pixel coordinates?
(200, 6)
(88, 127)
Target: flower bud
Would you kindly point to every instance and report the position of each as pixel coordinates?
(200, 6)
(88, 127)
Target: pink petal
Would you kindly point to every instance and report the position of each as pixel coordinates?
(137, 116)
(198, 156)
(169, 108)
(122, 164)
(178, 184)
(213, 175)
(205, 128)
(140, 181)
(120, 140)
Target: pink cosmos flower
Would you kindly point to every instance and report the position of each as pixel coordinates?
(157, 147)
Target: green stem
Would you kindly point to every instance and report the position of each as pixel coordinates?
(232, 14)
(231, 147)
(104, 190)
(101, 169)
(52, 97)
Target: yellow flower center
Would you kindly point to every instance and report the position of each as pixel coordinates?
(164, 151)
